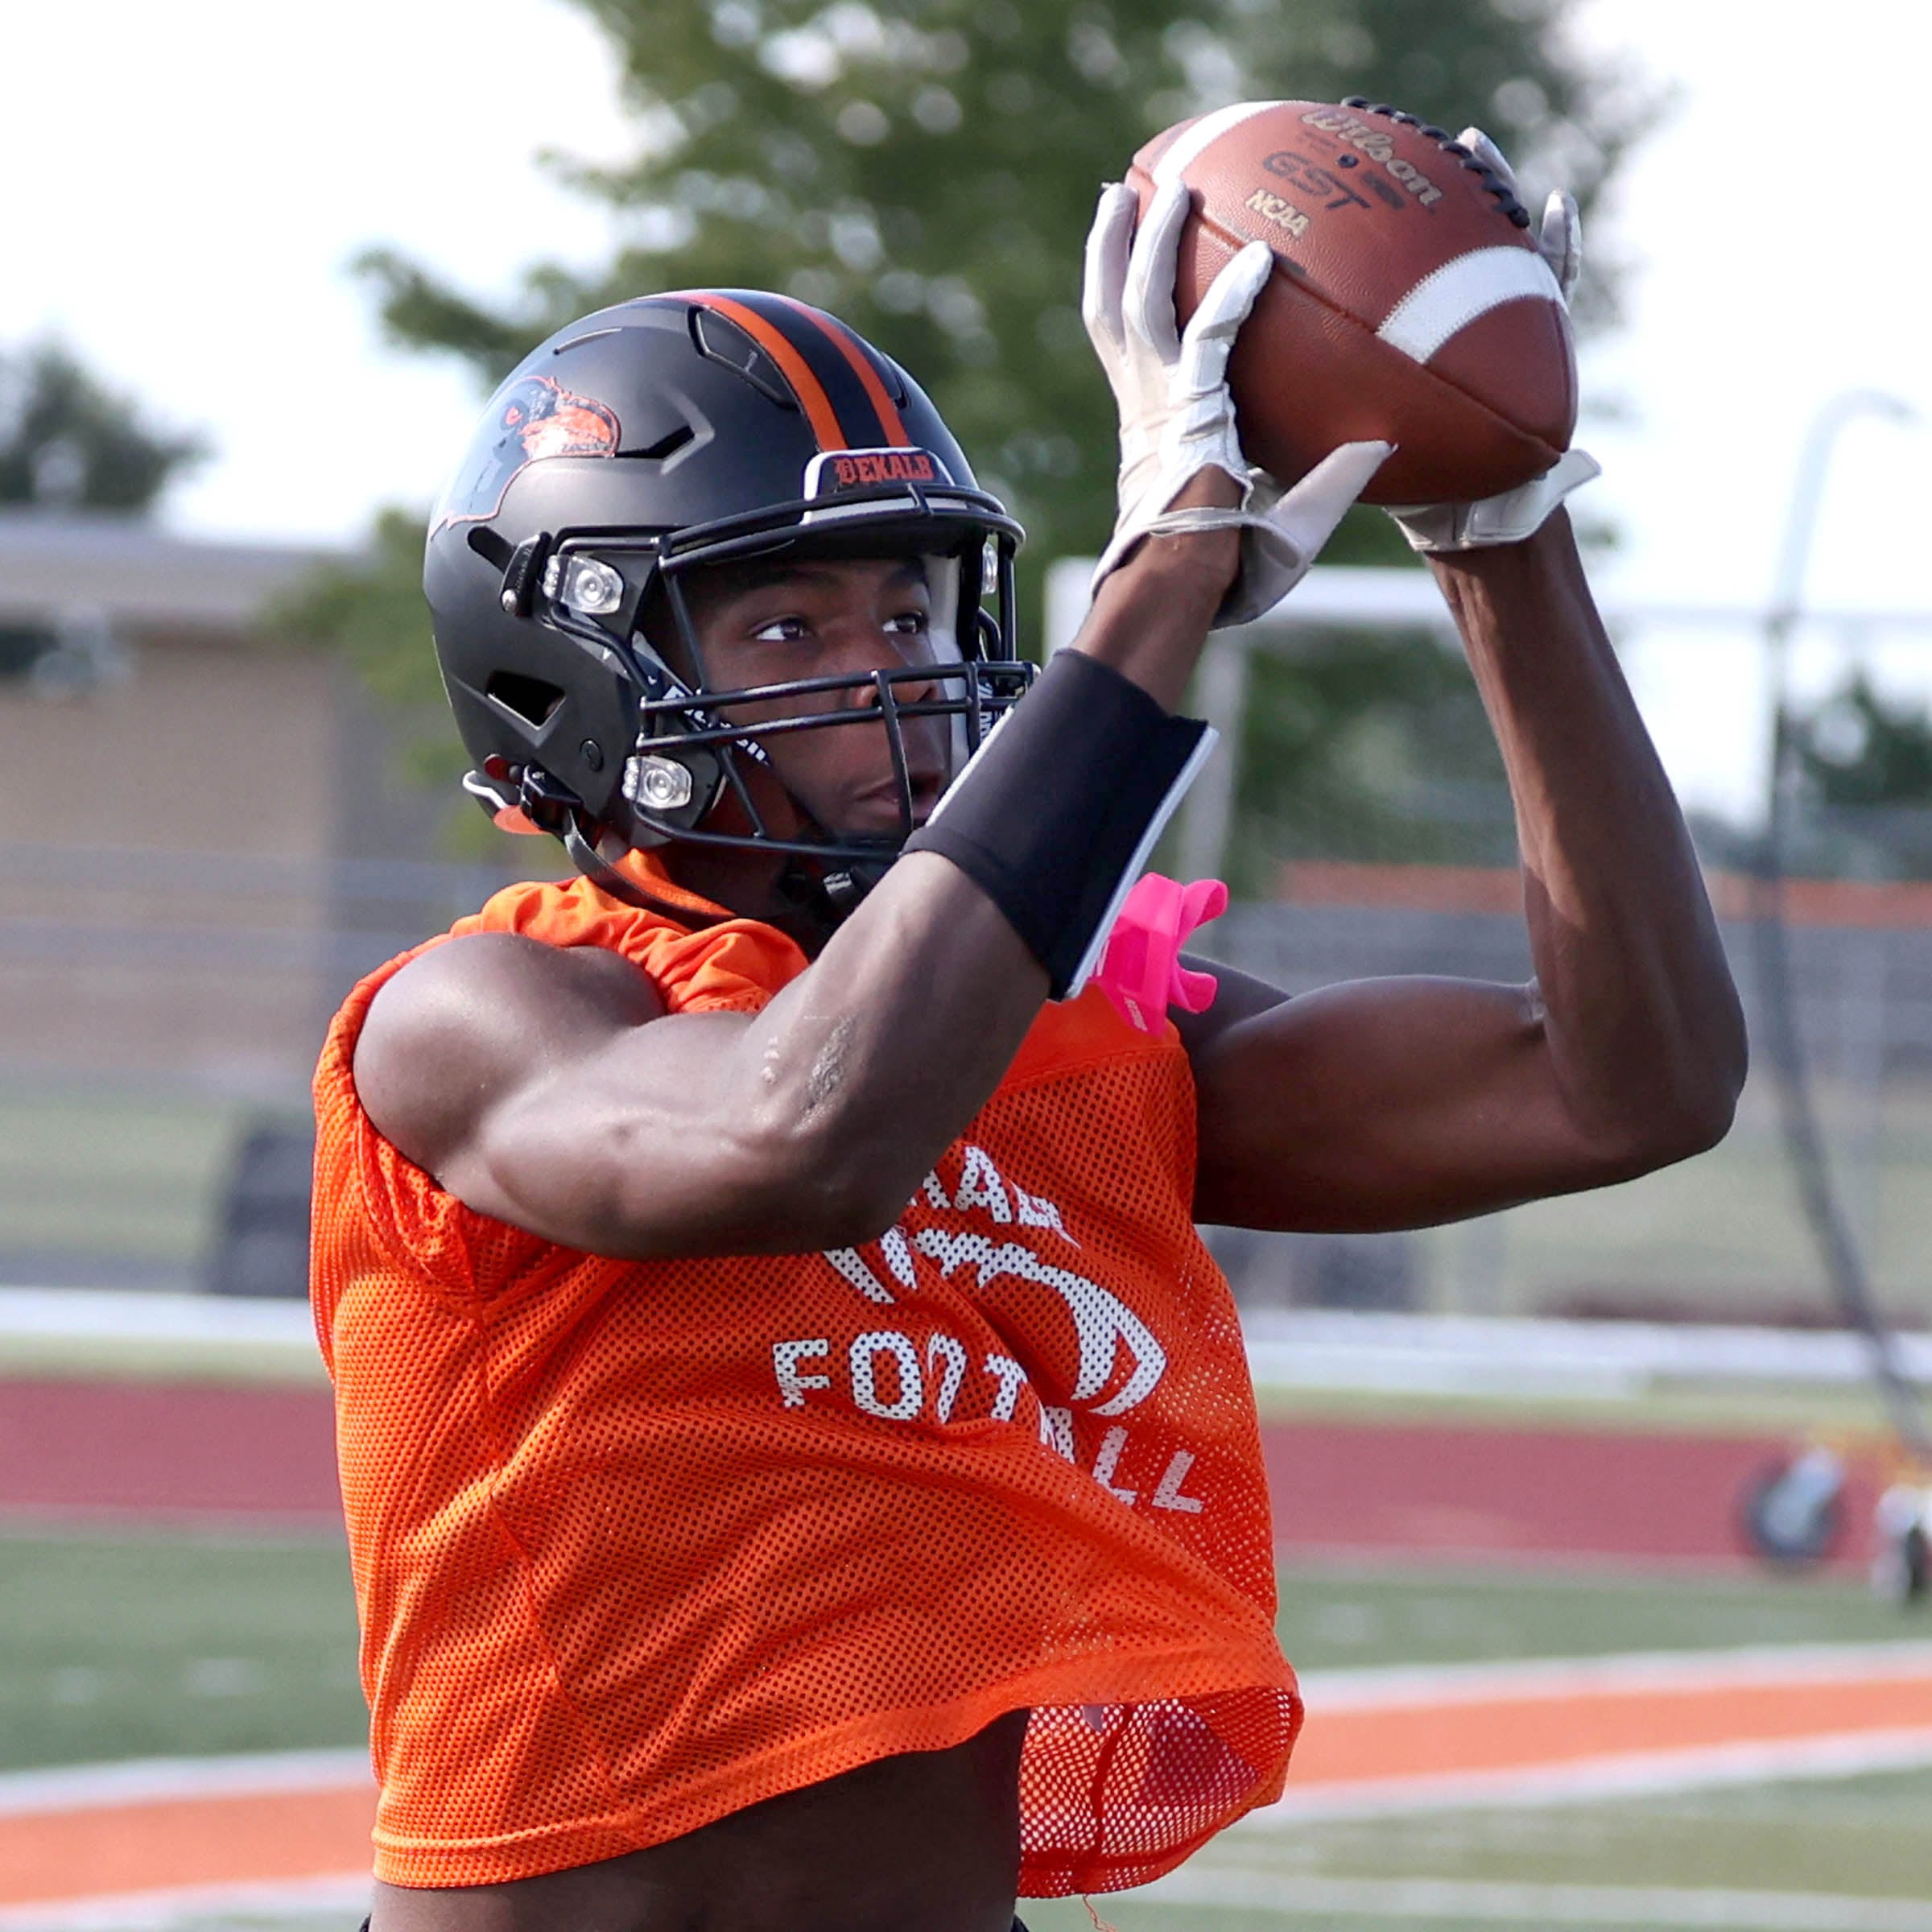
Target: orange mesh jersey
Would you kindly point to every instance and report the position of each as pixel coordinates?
(638, 1544)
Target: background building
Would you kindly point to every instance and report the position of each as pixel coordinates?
(205, 838)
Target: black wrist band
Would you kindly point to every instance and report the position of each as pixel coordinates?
(1054, 816)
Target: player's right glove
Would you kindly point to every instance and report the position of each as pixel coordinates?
(1516, 514)
(1177, 417)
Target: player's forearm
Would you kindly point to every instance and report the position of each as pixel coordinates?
(875, 1060)
(1643, 1024)
(862, 1071)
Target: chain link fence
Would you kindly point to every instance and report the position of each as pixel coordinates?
(161, 1018)
(160, 1009)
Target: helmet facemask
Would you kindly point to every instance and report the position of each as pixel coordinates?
(688, 778)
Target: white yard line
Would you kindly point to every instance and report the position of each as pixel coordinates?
(1429, 1898)
(1636, 1670)
(1287, 1349)
(124, 1315)
(154, 1780)
(1632, 1774)
(344, 1895)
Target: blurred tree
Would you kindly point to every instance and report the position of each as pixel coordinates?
(1856, 749)
(369, 609)
(67, 441)
(1864, 770)
(926, 168)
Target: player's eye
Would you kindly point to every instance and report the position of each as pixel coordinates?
(908, 623)
(781, 630)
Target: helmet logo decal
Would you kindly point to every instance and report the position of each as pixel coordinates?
(834, 471)
(537, 417)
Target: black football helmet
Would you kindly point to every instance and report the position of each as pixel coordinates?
(654, 440)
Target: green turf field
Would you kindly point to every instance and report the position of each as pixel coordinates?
(164, 1646)
(1843, 1855)
(119, 1172)
(1338, 1618)
(1850, 1853)
(125, 1646)
(134, 1174)
(1724, 1233)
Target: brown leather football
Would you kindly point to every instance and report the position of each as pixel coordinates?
(1408, 301)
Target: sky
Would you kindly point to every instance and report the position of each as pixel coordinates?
(188, 185)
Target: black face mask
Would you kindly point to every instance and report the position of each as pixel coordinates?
(688, 757)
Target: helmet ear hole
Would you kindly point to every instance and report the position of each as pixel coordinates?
(532, 700)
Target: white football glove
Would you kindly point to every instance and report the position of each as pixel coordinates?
(1520, 513)
(1177, 417)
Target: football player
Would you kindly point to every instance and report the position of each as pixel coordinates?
(800, 1466)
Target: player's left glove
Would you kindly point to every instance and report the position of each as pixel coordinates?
(1177, 417)
(1520, 513)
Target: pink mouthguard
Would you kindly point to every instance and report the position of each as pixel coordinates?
(1140, 970)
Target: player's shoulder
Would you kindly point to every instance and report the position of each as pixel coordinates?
(486, 987)
(470, 1019)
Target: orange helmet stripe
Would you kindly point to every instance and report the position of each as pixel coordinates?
(875, 390)
(805, 385)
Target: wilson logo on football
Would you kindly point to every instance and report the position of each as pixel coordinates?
(833, 471)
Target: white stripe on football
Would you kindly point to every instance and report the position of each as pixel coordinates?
(1203, 134)
(1441, 305)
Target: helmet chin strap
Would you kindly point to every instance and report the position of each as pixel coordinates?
(830, 896)
(834, 892)
(836, 895)
(605, 876)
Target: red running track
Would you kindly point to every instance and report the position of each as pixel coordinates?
(195, 1452)
(1423, 1488)
(184, 1449)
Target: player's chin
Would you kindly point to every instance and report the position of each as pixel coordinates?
(882, 810)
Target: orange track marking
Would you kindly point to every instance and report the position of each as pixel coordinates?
(184, 1841)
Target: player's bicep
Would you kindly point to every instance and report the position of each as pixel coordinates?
(645, 1147)
(1383, 1104)
(549, 1089)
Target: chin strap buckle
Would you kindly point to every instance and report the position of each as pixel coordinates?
(548, 806)
(521, 799)
(845, 890)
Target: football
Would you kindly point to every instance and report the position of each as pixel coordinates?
(1408, 301)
